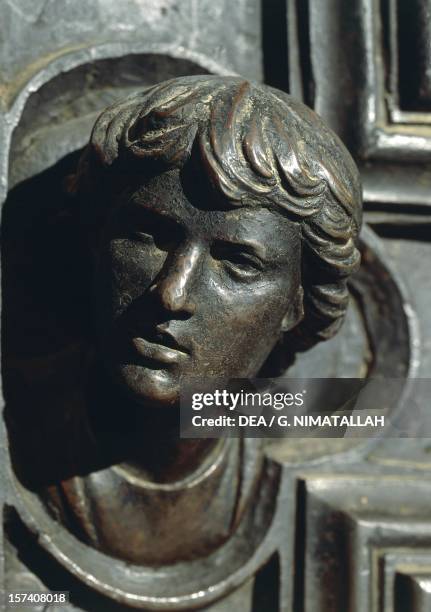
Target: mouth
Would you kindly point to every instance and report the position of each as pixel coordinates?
(160, 345)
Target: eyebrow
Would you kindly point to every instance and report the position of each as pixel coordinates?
(134, 205)
(251, 246)
(248, 244)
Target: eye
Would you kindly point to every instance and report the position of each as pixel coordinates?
(239, 263)
(155, 232)
(144, 237)
(243, 261)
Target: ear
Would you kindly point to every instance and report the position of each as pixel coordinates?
(295, 312)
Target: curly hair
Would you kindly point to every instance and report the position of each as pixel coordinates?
(258, 147)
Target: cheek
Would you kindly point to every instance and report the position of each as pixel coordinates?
(241, 337)
(254, 320)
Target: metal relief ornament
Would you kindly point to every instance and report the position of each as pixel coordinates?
(212, 227)
(219, 220)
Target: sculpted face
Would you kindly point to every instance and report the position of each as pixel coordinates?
(184, 289)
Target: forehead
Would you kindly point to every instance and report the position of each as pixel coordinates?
(199, 213)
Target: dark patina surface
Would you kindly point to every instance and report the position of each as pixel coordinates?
(104, 320)
(221, 220)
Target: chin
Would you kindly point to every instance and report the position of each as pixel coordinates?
(148, 387)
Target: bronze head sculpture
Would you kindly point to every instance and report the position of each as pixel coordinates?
(222, 218)
(224, 214)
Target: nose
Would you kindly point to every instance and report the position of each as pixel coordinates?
(174, 286)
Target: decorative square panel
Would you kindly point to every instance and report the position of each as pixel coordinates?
(404, 580)
(413, 590)
(364, 65)
(367, 543)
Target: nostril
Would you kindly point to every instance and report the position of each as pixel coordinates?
(153, 287)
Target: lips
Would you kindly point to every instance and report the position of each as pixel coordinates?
(160, 345)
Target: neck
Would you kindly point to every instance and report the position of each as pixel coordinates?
(146, 439)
